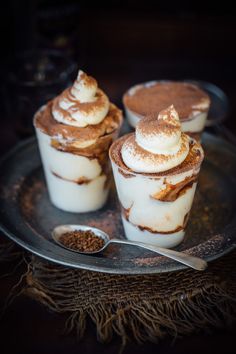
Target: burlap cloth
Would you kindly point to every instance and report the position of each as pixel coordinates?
(8, 250)
(143, 308)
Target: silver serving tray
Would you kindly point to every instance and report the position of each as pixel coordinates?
(27, 216)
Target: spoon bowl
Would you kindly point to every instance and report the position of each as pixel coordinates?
(58, 231)
(191, 261)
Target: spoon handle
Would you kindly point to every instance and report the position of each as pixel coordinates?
(191, 261)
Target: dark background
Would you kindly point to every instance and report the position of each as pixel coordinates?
(120, 43)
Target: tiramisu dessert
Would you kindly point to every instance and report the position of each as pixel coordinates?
(75, 131)
(191, 103)
(156, 170)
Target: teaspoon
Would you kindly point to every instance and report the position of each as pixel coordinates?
(181, 257)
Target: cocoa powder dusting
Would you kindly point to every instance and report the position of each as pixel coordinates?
(155, 98)
(140, 153)
(193, 160)
(82, 241)
(86, 107)
(48, 125)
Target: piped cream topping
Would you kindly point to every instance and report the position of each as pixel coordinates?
(158, 144)
(81, 104)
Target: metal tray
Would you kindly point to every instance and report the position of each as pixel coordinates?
(27, 216)
(220, 106)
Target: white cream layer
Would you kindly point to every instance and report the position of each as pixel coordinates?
(135, 195)
(133, 233)
(63, 169)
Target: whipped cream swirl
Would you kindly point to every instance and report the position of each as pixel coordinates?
(158, 144)
(81, 104)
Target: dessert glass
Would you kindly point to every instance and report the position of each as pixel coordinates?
(75, 159)
(190, 101)
(155, 207)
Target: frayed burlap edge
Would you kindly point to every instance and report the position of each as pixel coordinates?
(136, 307)
(8, 250)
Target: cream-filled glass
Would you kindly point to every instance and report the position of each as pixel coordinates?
(191, 103)
(156, 170)
(74, 133)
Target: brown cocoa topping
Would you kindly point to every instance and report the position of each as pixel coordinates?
(98, 150)
(47, 124)
(174, 191)
(82, 241)
(162, 122)
(154, 98)
(192, 161)
(126, 212)
(124, 174)
(146, 228)
(81, 180)
(103, 133)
